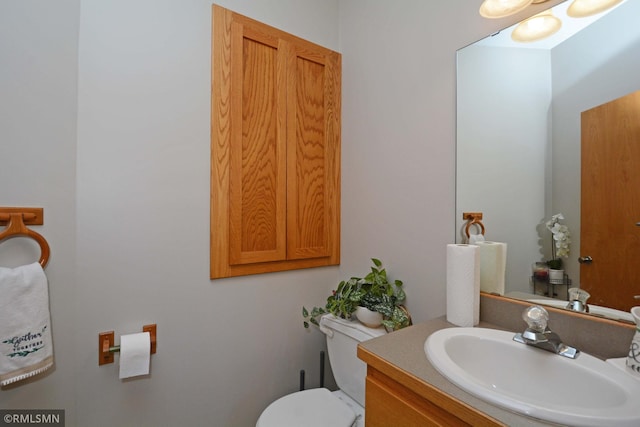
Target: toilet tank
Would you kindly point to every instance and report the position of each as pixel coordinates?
(343, 337)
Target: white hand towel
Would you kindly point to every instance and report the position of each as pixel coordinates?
(26, 348)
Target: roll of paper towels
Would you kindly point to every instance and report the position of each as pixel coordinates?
(463, 284)
(135, 354)
(475, 238)
(493, 266)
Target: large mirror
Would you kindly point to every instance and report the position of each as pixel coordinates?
(518, 134)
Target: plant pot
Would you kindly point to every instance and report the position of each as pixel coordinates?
(556, 277)
(369, 318)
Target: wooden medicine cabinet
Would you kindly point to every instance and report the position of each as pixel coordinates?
(275, 149)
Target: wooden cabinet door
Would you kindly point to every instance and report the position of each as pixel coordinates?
(313, 168)
(275, 174)
(258, 186)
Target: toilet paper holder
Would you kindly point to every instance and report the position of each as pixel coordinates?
(106, 346)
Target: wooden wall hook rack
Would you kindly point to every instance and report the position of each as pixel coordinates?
(30, 216)
(106, 347)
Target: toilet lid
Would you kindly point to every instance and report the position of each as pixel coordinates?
(316, 407)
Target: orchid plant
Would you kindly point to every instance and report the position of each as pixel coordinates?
(561, 238)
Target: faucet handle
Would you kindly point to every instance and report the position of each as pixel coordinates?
(536, 317)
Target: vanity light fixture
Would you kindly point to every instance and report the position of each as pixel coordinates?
(583, 8)
(537, 27)
(500, 8)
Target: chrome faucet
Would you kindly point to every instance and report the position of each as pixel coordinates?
(578, 300)
(539, 335)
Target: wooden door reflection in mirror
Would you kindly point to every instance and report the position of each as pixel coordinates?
(610, 198)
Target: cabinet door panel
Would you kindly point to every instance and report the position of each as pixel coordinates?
(307, 220)
(258, 148)
(313, 159)
(387, 406)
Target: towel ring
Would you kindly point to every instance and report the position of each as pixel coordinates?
(470, 223)
(473, 218)
(17, 228)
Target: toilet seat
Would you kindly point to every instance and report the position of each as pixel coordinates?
(316, 407)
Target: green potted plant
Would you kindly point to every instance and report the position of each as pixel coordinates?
(372, 293)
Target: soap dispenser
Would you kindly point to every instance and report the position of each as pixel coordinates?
(633, 359)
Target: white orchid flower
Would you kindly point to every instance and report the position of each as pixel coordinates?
(561, 235)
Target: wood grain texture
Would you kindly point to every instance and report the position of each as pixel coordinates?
(275, 181)
(610, 202)
(396, 398)
(258, 149)
(220, 137)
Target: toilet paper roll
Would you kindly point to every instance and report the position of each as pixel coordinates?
(135, 354)
(493, 266)
(463, 284)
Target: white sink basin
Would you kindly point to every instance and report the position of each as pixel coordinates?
(578, 392)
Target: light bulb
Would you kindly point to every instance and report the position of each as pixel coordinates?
(583, 8)
(501, 8)
(536, 28)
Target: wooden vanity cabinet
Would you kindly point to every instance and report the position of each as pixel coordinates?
(395, 398)
(275, 149)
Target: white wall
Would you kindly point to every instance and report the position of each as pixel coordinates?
(399, 118)
(226, 348)
(38, 100)
(399, 139)
(127, 198)
(503, 96)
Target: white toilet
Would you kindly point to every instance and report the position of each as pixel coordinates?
(320, 407)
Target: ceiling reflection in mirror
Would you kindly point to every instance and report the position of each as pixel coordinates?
(518, 132)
